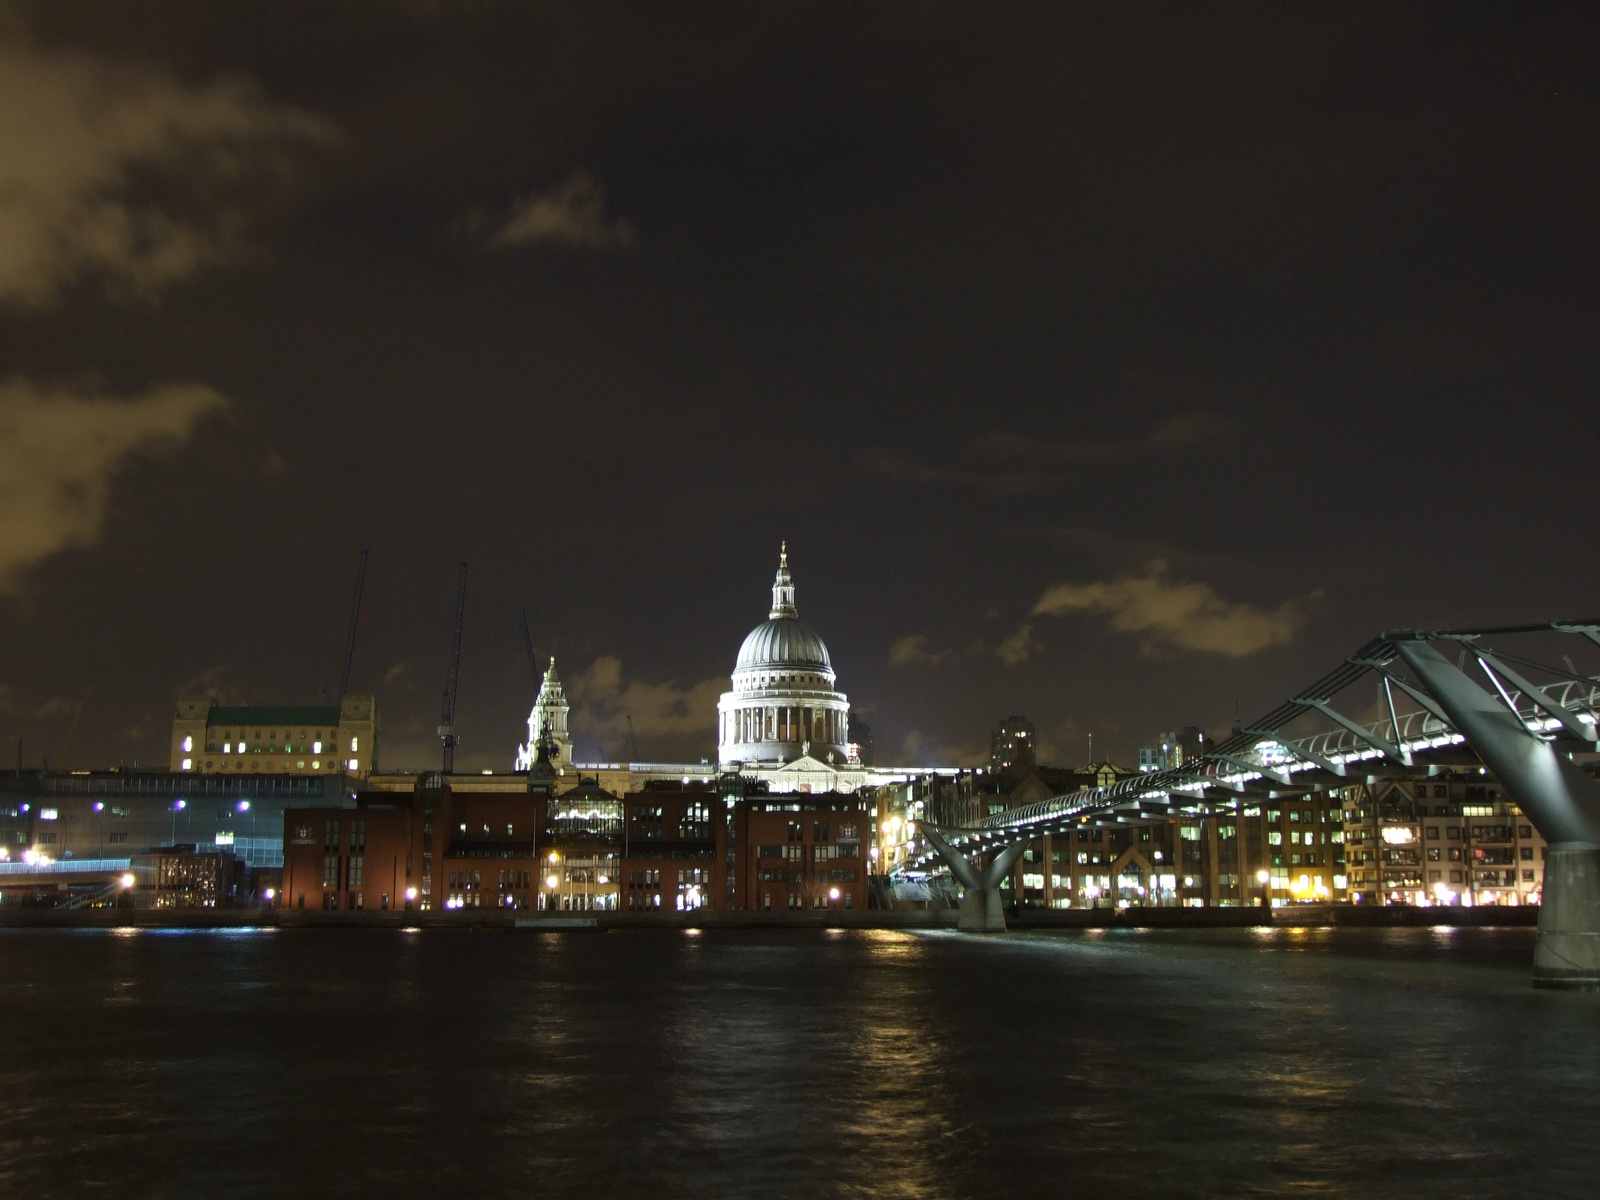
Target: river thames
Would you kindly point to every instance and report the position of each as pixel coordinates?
(1337, 1063)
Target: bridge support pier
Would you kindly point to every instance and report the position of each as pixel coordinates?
(1568, 954)
(981, 910)
(1557, 795)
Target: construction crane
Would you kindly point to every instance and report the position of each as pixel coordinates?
(527, 644)
(355, 621)
(447, 720)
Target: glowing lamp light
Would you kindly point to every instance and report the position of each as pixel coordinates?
(551, 881)
(127, 880)
(411, 893)
(244, 806)
(99, 806)
(271, 893)
(833, 893)
(180, 804)
(554, 858)
(1263, 877)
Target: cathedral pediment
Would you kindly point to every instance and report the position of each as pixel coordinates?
(805, 764)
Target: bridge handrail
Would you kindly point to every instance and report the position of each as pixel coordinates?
(1413, 728)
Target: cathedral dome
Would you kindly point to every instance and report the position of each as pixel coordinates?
(783, 642)
(783, 705)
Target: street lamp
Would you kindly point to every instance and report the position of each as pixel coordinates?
(1264, 877)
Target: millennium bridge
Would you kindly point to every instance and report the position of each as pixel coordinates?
(1435, 701)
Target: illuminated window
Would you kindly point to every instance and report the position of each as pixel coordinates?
(188, 744)
(47, 814)
(353, 765)
(353, 746)
(188, 764)
(316, 747)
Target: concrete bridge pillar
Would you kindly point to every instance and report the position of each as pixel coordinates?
(981, 908)
(1568, 954)
(1558, 797)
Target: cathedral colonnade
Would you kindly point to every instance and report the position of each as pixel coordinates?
(794, 725)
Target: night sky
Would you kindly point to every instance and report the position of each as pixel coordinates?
(1123, 366)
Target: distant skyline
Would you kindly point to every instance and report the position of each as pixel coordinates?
(1120, 368)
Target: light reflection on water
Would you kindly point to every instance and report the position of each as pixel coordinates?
(1350, 1063)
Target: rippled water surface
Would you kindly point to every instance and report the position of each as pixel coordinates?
(1359, 1063)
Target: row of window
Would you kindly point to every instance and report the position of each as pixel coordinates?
(797, 900)
(271, 743)
(355, 869)
(821, 875)
(270, 765)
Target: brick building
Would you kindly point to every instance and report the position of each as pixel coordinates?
(800, 851)
(435, 848)
(674, 852)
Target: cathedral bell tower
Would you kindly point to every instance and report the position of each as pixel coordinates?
(548, 723)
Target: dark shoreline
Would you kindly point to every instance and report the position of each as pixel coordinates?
(1154, 918)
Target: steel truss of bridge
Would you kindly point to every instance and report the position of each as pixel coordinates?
(1409, 703)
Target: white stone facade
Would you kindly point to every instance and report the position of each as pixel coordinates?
(783, 705)
(549, 714)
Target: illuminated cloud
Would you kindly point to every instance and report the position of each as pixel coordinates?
(572, 214)
(59, 453)
(1170, 613)
(603, 701)
(129, 175)
(912, 651)
(1019, 647)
